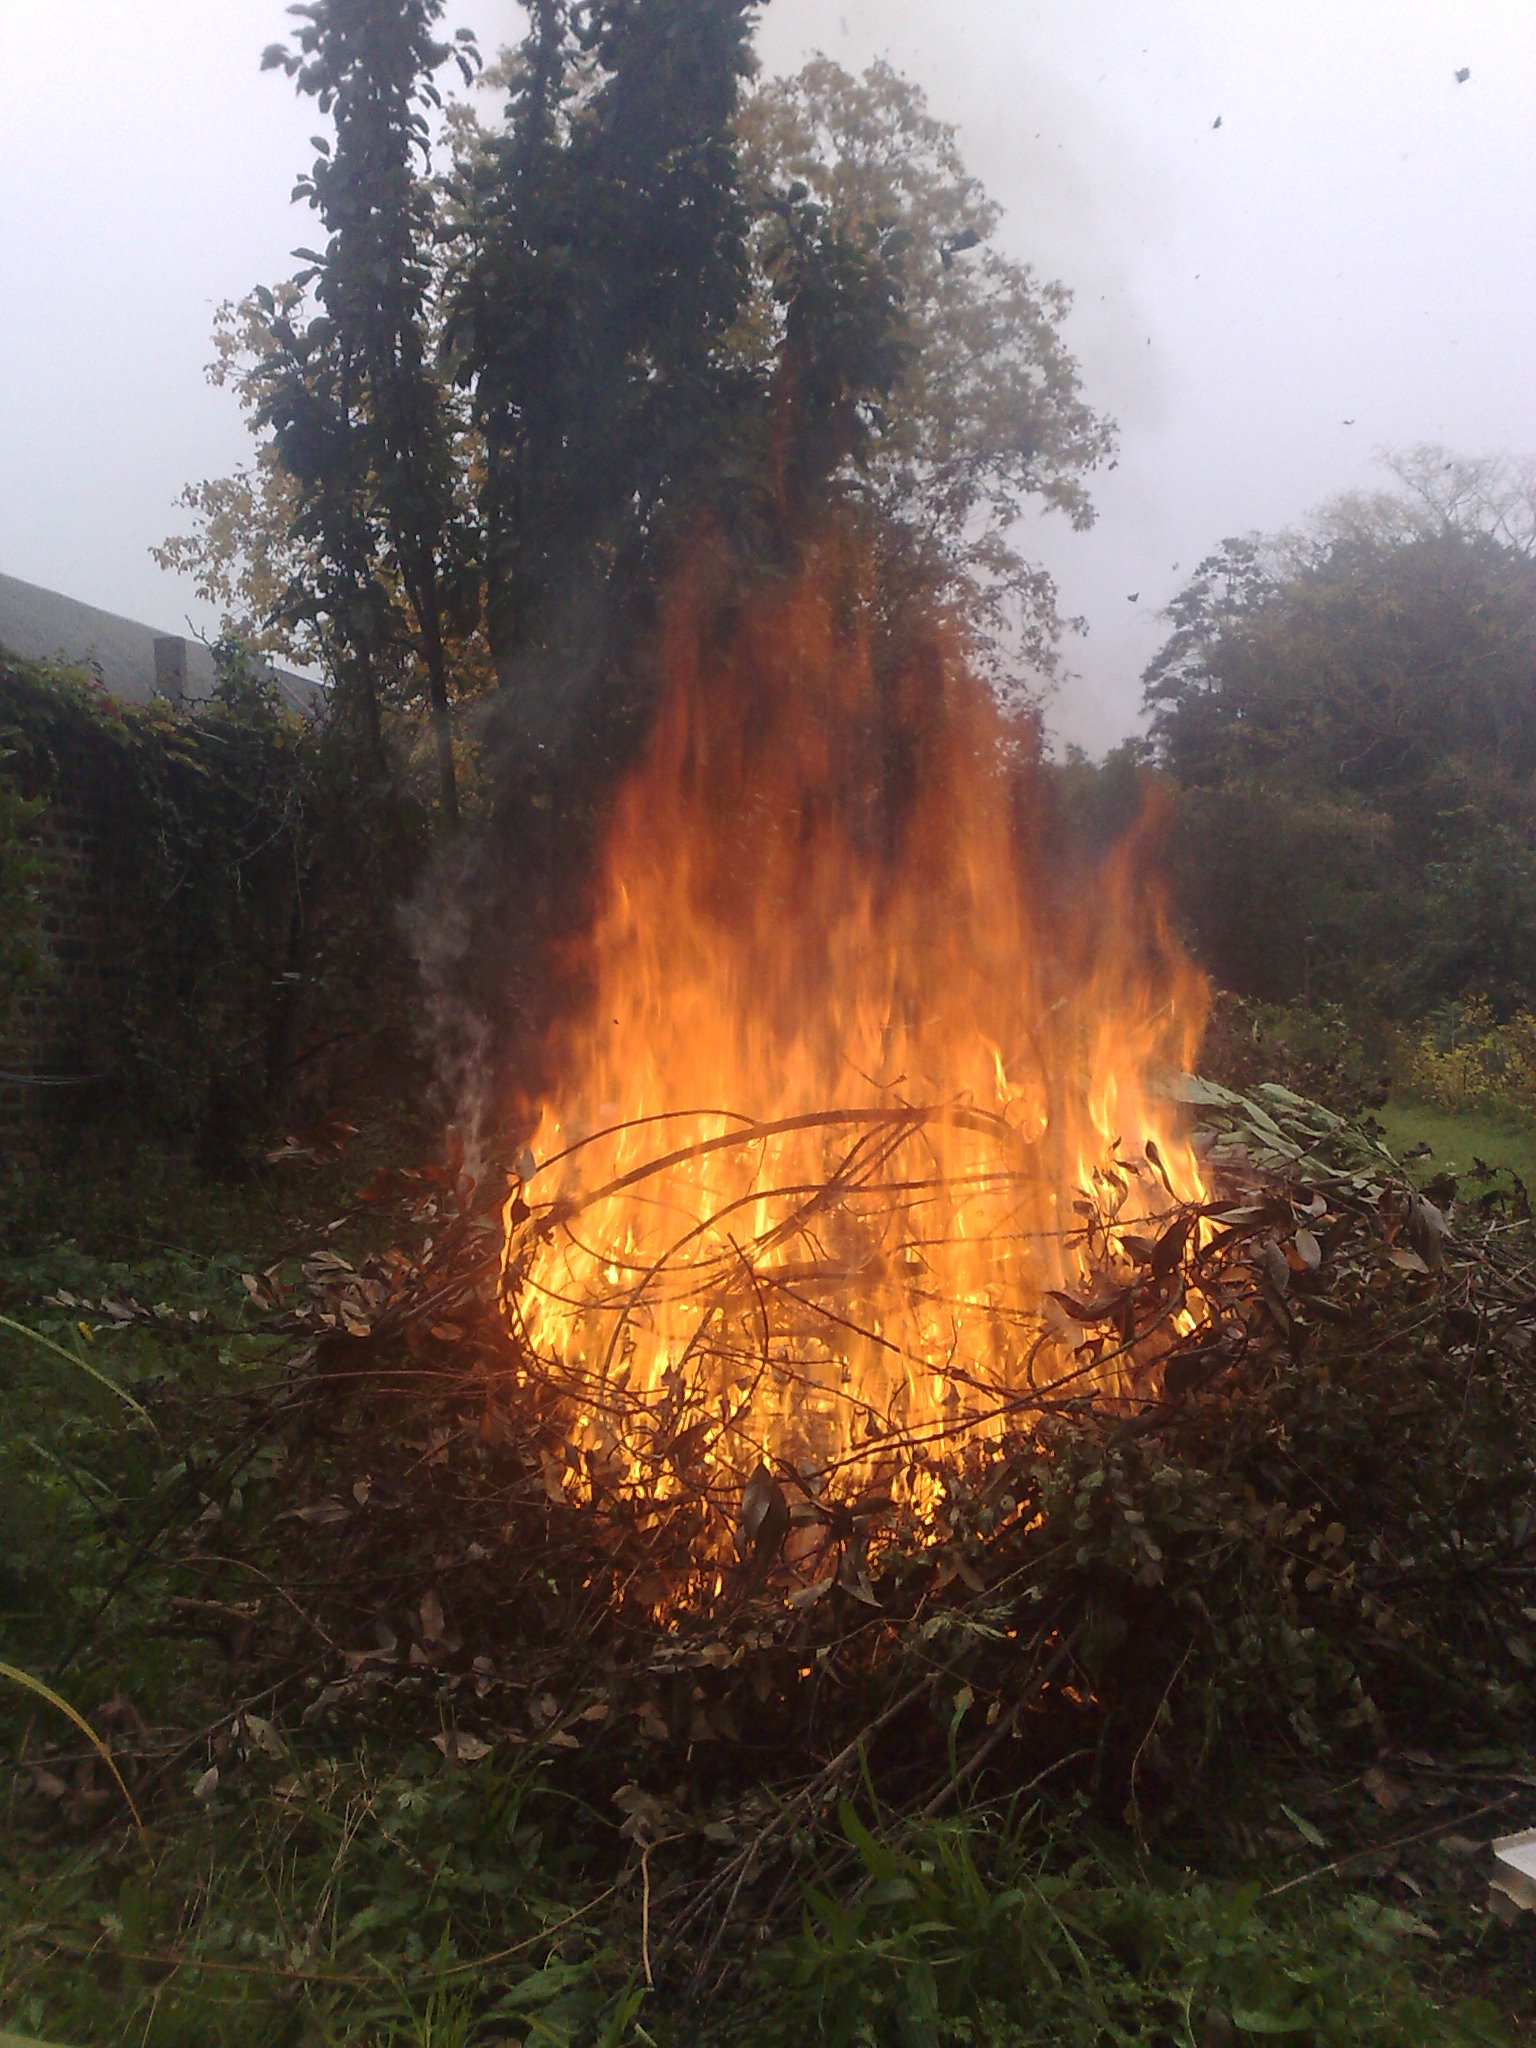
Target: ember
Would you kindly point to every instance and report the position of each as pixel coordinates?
(858, 1138)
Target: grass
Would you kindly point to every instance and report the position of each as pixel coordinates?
(311, 1899)
(1459, 1137)
(968, 1933)
(336, 1892)
(375, 1902)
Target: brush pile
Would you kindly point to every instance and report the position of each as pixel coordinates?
(1310, 1540)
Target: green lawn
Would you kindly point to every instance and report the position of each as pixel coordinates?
(1458, 1138)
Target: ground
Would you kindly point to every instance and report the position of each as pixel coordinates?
(330, 1872)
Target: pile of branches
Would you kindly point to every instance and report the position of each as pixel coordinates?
(1315, 1539)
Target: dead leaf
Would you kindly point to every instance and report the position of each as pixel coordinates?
(685, 1448)
(462, 1748)
(1277, 1267)
(1155, 1158)
(431, 1617)
(323, 1513)
(1309, 1250)
(1095, 1311)
(646, 1816)
(321, 1264)
(853, 1577)
(1388, 1792)
(1303, 1827)
(807, 1596)
(206, 1785)
(1169, 1248)
(265, 1736)
(1427, 1230)
(317, 1145)
(1185, 1372)
(554, 1478)
(955, 1564)
(764, 1517)
(1407, 1262)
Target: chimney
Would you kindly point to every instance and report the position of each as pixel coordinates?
(170, 668)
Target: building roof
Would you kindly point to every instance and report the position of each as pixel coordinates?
(135, 662)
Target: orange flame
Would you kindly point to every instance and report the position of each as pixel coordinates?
(854, 1090)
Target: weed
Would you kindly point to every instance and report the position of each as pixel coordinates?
(969, 1936)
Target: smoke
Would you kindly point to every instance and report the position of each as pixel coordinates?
(1290, 237)
(490, 926)
(1085, 197)
(443, 925)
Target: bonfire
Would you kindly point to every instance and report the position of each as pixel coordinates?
(858, 1137)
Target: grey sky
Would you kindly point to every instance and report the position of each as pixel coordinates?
(1356, 242)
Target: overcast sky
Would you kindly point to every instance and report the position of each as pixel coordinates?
(1346, 263)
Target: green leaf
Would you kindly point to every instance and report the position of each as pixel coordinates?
(920, 2021)
(878, 1860)
(1193, 1088)
(1253, 2020)
(543, 1985)
(1303, 1827)
(82, 1364)
(28, 1683)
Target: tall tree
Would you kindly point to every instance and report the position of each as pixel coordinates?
(355, 407)
(604, 260)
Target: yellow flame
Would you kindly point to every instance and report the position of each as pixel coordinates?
(854, 1090)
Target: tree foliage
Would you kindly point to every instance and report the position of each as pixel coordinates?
(981, 419)
(639, 303)
(356, 413)
(1351, 712)
(601, 262)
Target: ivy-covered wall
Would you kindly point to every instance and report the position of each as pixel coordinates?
(57, 997)
(202, 939)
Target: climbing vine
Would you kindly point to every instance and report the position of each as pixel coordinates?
(222, 945)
